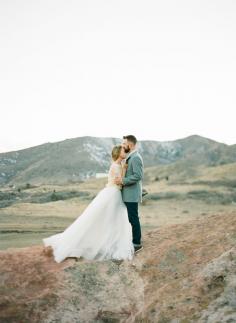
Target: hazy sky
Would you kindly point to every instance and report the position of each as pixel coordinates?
(160, 70)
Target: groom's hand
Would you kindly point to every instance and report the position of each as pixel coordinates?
(118, 181)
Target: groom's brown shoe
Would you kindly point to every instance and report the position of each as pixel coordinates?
(138, 248)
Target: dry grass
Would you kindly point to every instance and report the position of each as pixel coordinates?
(168, 202)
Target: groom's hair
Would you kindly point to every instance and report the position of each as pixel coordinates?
(131, 138)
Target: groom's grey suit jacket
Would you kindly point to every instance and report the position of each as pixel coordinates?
(132, 181)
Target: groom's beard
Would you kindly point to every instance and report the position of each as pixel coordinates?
(127, 150)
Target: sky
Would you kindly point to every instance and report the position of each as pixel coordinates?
(160, 70)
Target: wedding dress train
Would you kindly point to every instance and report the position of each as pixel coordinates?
(102, 231)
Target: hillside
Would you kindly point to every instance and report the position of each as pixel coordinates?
(76, 159)
(184, 172)
(186, 273)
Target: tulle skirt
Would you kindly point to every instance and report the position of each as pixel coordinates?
(102, 231)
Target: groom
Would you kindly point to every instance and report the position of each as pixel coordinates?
(132, 187)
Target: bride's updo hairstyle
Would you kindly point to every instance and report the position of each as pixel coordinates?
(116, 152)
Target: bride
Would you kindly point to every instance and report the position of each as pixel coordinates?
(103, 230)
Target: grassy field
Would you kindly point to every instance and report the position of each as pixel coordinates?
(32, 213)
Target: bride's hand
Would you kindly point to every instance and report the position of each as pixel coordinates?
(118, 180)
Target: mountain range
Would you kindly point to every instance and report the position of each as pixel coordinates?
(77, 159)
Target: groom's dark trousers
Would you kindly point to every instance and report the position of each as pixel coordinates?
(132, 208)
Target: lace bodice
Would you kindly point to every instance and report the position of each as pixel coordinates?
(115, 170)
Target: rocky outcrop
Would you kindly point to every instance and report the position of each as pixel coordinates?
(185, 273)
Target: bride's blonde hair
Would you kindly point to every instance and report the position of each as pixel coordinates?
(116, 150)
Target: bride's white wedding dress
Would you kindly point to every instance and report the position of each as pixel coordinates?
(102, 231)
